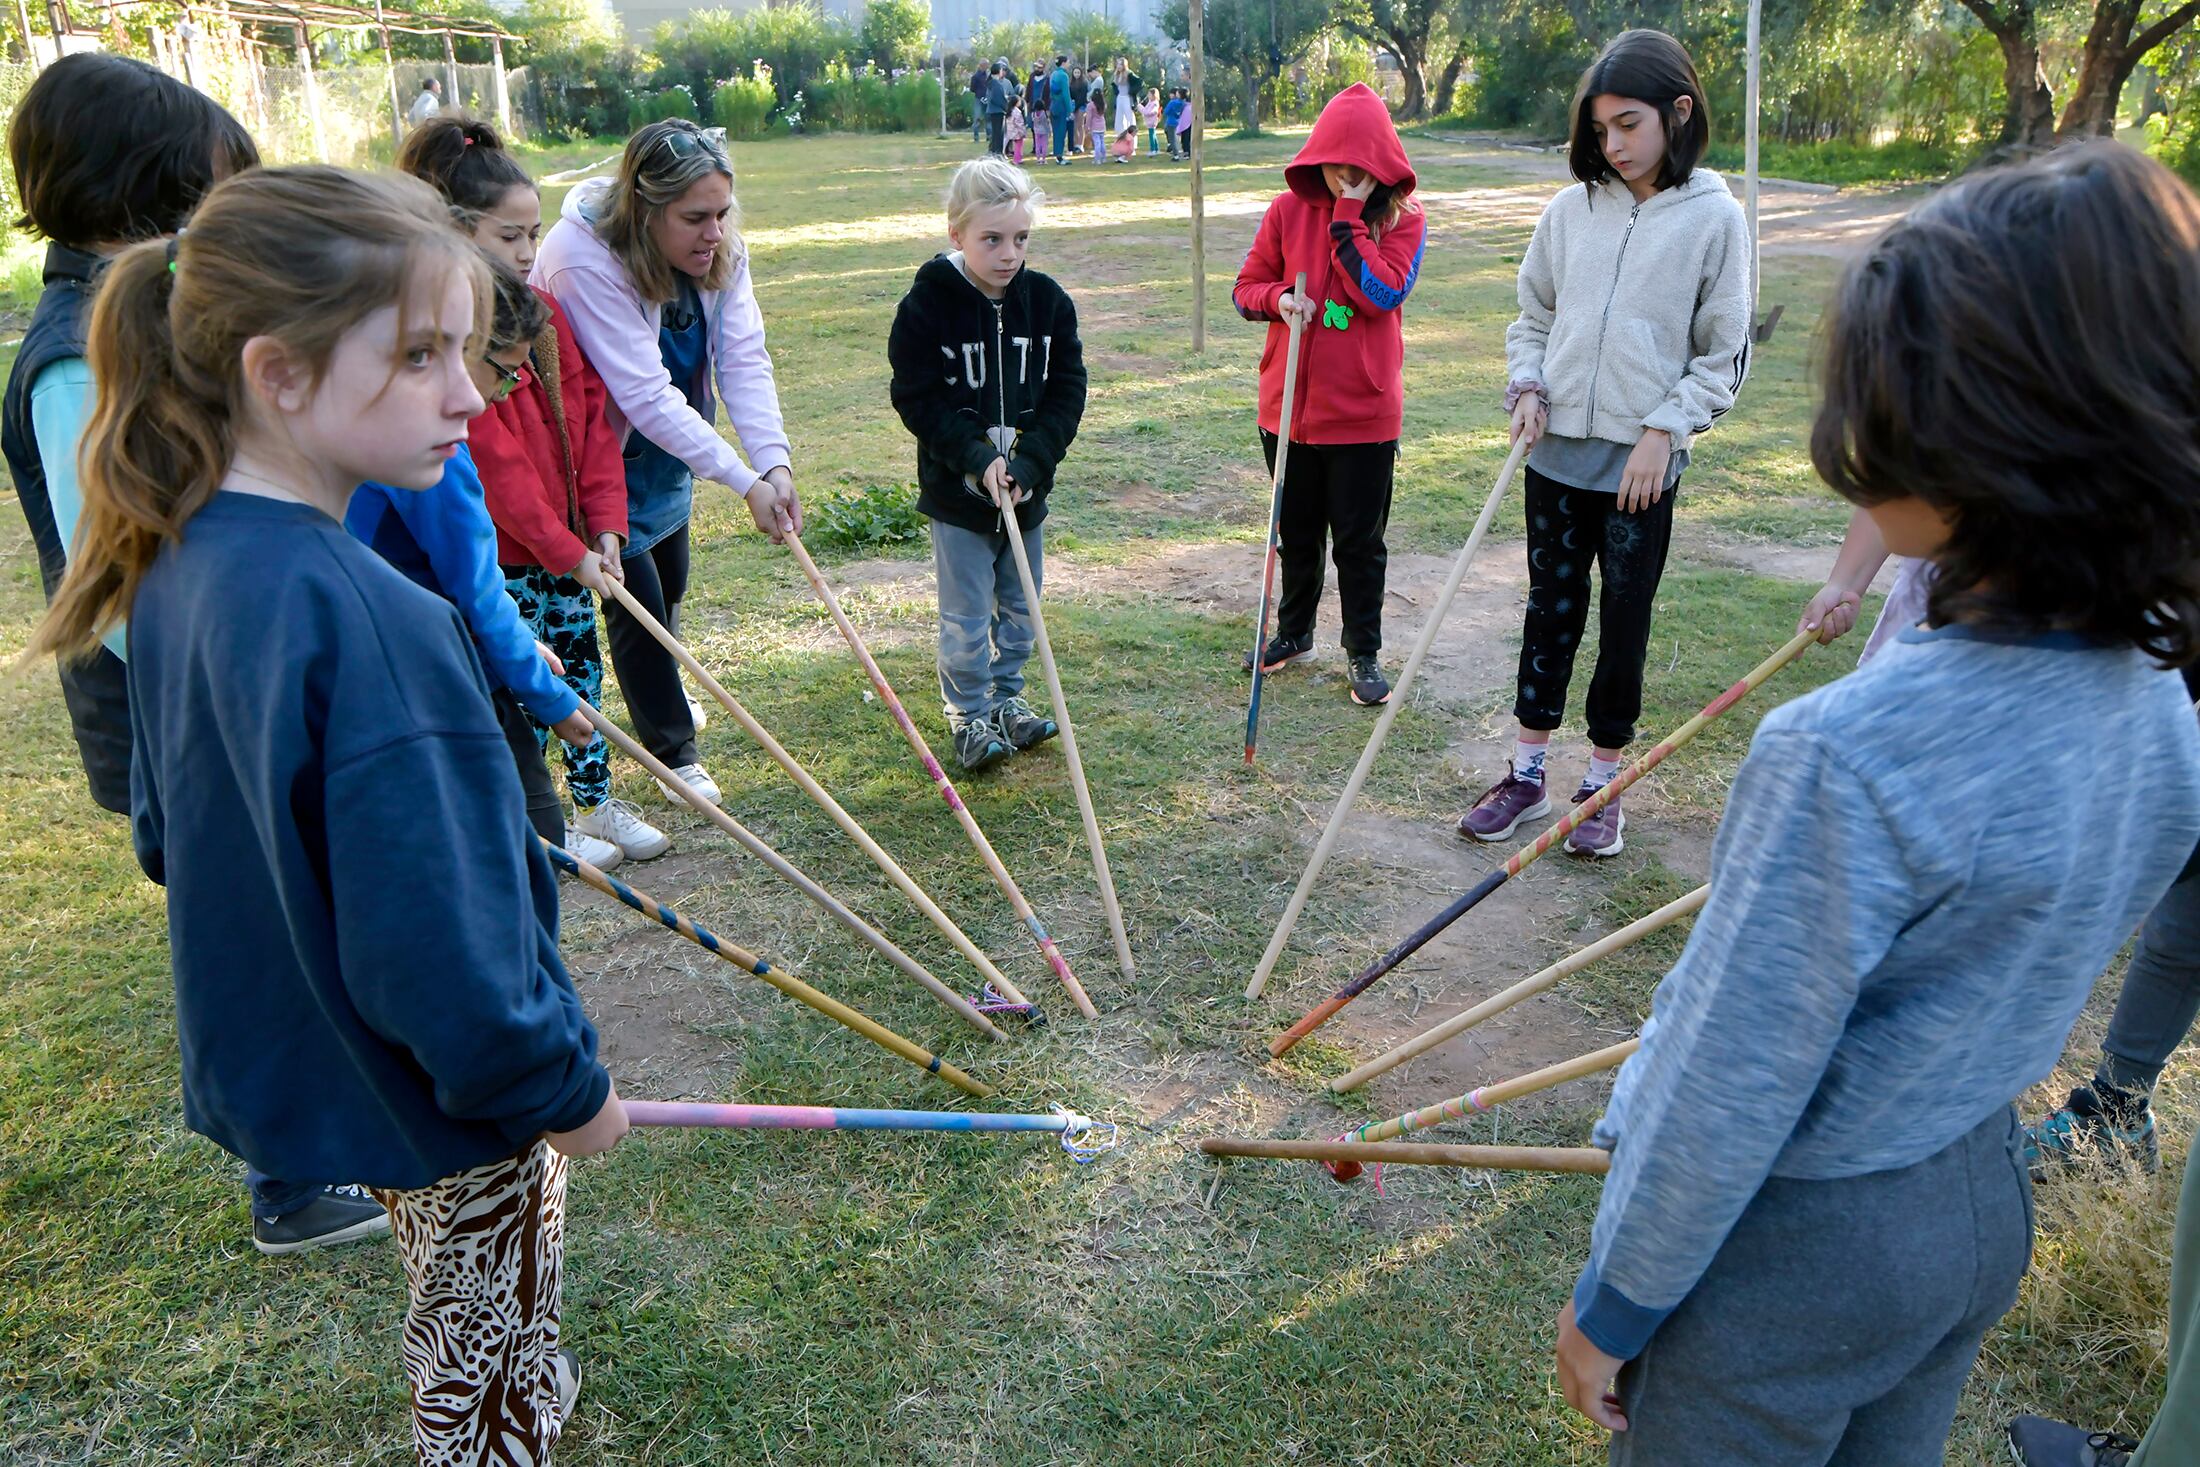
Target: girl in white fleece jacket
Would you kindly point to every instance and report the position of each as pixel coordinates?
(649, 269)
(1633, 337)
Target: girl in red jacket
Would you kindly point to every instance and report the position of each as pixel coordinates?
(1349, 221)
(550, 468)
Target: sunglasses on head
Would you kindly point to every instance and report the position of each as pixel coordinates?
(683, 141)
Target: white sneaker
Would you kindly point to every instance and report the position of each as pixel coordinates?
(696, 778)
(601, 854)
(622, 826)
(695, 712)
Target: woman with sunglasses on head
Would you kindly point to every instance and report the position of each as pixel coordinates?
(649, 268)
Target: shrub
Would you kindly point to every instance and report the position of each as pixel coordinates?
(744, 105)
(915, 103)
(673, 101)
(880, 515)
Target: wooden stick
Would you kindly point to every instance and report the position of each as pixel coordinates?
(969, 822)
(1327, 1009)
(1586, 1159)
(1526, 988)
(1361, 770)
(1007, 502)
(748, 962)
(756, 847)
(816, 791)
(1275, 513)
(1489, 1097)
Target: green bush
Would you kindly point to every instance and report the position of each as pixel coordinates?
(915, 102)
(673, 101)
(744, 105)
(881, 515)
(1900, 161)
(797, 42)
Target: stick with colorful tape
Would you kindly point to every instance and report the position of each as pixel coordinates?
(1322, 1012)
(1082, 1137)
(969, 822)
(1275, 513)
(749, 962)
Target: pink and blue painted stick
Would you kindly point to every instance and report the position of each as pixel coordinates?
(1082, 1137)
(1275, 514)
(969, 822)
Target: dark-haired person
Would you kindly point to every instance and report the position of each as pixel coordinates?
(1058, 107)
(1633, 337)
(552, 476)
(82, 114)
(427, 104)
(649, 267)
(1817, 1203)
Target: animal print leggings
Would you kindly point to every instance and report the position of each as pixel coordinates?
(561, 612)
(482, 1252)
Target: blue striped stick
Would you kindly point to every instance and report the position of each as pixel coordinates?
(748, 962)
(1275, 515)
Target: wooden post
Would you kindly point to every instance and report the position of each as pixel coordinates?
(450, 73)
(389, 62)
(503, 88)
(313, 91)
(1749, 153)
(1199, 194)
(23, 27)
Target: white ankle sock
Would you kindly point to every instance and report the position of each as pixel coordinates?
(1601, 771)
(1528, 759)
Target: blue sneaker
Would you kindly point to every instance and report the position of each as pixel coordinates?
(2089, 1129)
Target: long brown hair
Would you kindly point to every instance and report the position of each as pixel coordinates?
(2022, 353)
(663, 161)
(298, 254)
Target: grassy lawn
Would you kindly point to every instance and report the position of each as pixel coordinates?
(836, 1299)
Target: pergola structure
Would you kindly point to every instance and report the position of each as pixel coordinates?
(286, 27)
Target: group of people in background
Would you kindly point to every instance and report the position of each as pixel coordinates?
(340, 482)
(1063, 112)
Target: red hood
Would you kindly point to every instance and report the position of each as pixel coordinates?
(1354, 128)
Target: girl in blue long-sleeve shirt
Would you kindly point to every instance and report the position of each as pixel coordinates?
(344, 1007)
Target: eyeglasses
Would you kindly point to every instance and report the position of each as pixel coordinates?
(685, 141)
(508, 378)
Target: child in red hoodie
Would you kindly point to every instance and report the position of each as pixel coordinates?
(1349, 222)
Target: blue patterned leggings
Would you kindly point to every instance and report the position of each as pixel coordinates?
(560, 611)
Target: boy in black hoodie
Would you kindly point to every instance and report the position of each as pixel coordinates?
(989, 376)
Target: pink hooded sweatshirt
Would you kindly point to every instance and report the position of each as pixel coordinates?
(618, 331)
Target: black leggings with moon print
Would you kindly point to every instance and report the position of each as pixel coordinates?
(1567, 529)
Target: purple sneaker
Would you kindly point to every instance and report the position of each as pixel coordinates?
(1599, 835)
(1499, 809)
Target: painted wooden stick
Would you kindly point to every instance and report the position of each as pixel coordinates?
(1525, 989)
(1586, 1159)
(1007, 502)
(1361, 770)
(1082, 1137)
(1275, 513)
(969, 822)
(1489, 1097)
(756, 847)
(1521, 860)
(816, 792)
(748, 962)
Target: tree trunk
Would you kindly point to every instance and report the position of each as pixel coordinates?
(2111, 53)
(1252, 100)
(1412, 54)
(1447, 83)
(2028, 117)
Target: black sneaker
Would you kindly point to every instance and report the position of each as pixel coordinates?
(338, 1215)
(1369, 687)
(1282, 650)
(979, 745)
(1021, 726)
(2036, 1441)
(2097, 1125)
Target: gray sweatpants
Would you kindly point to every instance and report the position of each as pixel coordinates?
(986, 633)
(1837, 1323)
(2161, 992)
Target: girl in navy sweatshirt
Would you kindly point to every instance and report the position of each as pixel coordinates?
(345, 1007)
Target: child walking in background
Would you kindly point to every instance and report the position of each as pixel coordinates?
(1817, 1203)
(1350, 223)
(1096, 126)
(1633, 337)
(347, 1005)
(1149, 115)
(1184, 122)
(1018, 130)
(552, 477)
(990, 378)
(82, 114)
(1171, 116)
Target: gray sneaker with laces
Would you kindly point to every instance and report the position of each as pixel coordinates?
(979, 745)
(1022, 725)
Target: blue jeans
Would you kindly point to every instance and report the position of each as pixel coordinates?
(986, 632)
(272, 1196)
